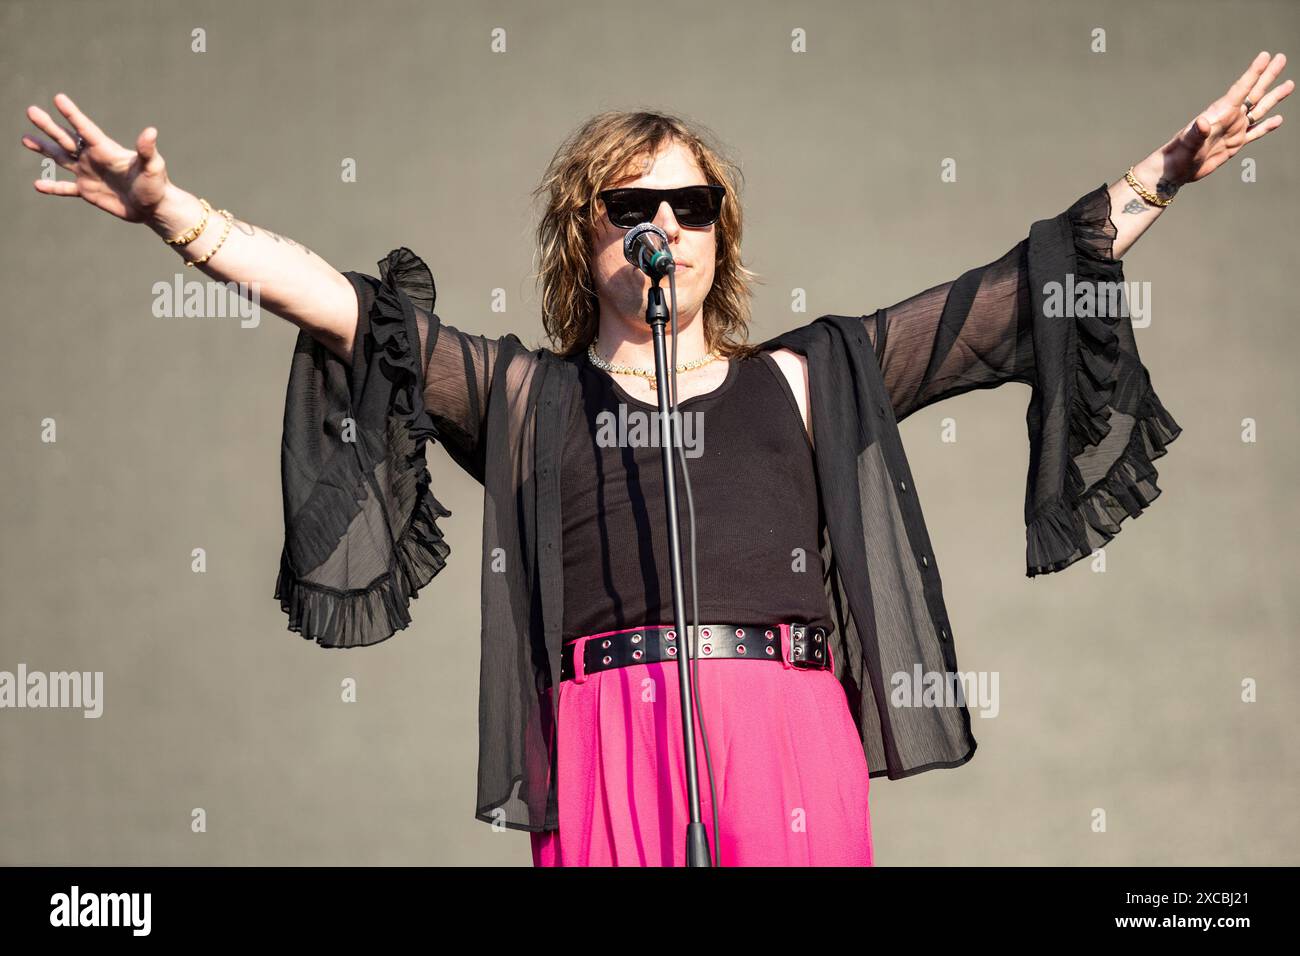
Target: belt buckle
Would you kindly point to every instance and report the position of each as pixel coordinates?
(799, 652)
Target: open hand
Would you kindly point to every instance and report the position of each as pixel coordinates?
(1223, 127)
(127, 183)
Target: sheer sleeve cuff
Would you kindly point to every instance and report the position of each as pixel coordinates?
(1116, 425)
(361, 530)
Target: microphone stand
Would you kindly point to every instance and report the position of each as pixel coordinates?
(656, 314)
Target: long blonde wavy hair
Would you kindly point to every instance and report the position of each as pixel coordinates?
(602, 151)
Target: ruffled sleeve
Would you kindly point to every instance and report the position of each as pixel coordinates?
(1032, 316)
(1093, 466)
(361, 524)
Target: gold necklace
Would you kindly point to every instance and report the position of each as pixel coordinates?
(649, 373)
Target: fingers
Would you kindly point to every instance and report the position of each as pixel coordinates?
(56, 187)
(55, 131)
(39, 144)
(91, 133)
(1237, 92)
(1263, 128)
(146, 144)
(1197, 131)
(1265, 80)
(1272, 98)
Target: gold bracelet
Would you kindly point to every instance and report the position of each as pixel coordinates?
(189, 236)
(230, 221)
(1149, 197)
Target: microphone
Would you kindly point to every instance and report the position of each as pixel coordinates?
(646, 247)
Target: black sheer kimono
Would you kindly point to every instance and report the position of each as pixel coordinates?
(361, 531)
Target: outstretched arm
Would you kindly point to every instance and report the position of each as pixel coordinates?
(291, 280)
(977, 331)
(1036, 316)
(375, 376)
(133, 185)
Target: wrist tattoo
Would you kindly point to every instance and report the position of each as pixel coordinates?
(250, 230)
(1165, 189)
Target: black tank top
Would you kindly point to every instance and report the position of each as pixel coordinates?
(758, 517)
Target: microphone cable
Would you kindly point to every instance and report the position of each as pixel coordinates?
(695, 604)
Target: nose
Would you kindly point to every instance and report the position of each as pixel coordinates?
(666, 221)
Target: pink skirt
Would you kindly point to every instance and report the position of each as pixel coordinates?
(791, 776)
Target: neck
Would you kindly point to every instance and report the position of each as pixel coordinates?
(626, 340)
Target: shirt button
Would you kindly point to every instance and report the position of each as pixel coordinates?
(902, 485)
(943, 633)
(925, 562)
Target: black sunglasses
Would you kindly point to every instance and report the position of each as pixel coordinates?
(693, 206)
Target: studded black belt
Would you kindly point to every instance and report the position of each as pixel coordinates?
(795, 645)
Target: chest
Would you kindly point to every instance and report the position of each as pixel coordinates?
(792, 366)
(749, 456)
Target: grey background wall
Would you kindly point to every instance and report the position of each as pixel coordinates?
(169, 429)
